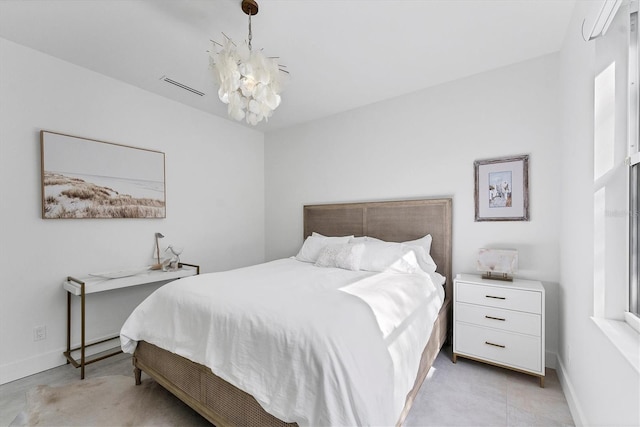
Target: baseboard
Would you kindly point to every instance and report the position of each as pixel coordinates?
(51, 359)
(25, 367)
(570, 395)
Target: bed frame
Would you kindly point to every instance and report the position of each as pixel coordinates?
(397, 221)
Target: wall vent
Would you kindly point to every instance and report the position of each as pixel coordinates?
(182, 86)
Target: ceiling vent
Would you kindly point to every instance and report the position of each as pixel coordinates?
(182, 86)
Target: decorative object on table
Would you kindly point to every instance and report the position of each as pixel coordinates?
(86, 178)
(172, 263)
(497, 264)
(249, 82)
(502, 189)
(158, 264)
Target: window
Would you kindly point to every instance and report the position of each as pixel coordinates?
(634, 250)
(634, 168)
(617, 169)
(616, 197)
(611, 170)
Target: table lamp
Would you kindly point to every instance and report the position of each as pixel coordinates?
(158, 264)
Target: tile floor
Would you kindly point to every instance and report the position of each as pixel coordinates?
(467, 393)
(470, 393)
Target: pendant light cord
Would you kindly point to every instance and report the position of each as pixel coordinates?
(250, 35)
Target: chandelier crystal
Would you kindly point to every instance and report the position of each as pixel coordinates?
(249, 82)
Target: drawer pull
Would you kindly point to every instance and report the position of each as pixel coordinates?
(495, 345)
(491, 296)
(495, 318)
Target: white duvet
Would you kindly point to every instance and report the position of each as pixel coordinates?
(316, 346)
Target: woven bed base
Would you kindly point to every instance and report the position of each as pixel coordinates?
(215, 399)
(224, 404)
(441, 333)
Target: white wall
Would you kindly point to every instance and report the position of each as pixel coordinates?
(601, 386)
(215, 199)
(424, 145)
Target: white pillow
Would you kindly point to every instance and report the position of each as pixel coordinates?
(313, 245)
(425, 261)
(386, 256)
(363, 239)
(346, 256)
(314, 234)
(425, 242)
(421, 247)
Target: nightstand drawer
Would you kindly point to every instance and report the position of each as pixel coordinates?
(507, 320)
(500, 297)
(506, 348)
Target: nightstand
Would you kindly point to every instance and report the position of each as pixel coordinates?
(500, 323)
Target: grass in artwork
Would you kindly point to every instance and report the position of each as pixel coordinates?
(68, 197)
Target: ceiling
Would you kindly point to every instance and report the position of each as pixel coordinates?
(342, 54)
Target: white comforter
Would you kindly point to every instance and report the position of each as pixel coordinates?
(316, 346)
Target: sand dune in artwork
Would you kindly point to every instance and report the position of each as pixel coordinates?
(72, 197)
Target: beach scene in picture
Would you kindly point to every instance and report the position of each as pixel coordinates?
(500, 189)
(90, 179)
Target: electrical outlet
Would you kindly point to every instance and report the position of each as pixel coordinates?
(40, 333)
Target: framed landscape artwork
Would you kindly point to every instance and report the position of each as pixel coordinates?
(502, 189)
(85, 178)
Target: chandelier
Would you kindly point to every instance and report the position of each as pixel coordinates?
(249, 82)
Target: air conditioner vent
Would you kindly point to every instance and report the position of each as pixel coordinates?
(182, 86)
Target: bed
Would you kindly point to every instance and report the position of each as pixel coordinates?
(224, 404)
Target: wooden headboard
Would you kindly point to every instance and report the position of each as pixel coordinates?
(393, 221)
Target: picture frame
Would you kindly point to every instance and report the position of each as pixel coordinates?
(87, 178)
(502, 189)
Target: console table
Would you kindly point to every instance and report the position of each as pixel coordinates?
(92, 284)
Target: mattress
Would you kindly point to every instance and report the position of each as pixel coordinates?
(315, 346)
